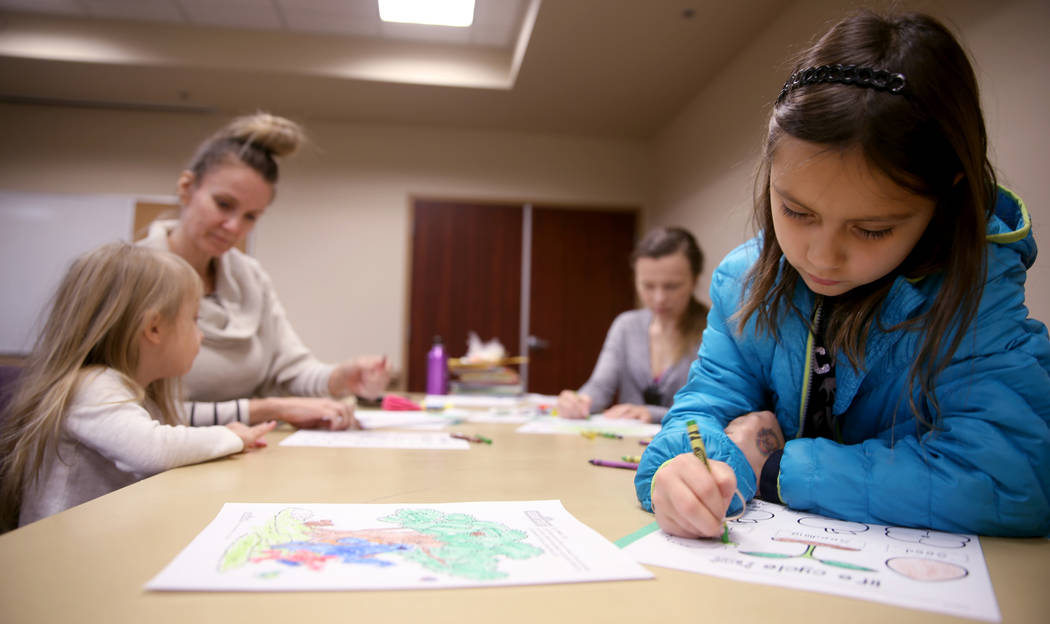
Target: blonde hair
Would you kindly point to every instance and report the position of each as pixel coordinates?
(254, 140)
(96, 317)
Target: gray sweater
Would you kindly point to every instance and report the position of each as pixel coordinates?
(623, 368)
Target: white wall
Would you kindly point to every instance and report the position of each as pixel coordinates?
(335, 241)
(705, 158)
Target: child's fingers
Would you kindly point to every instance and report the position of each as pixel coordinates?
(692, 495)
(679, 512)
(726, 480)
(700, 501)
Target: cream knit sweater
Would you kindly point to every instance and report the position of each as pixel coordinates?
(249, 349)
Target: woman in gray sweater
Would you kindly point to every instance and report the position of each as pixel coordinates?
(647, 352)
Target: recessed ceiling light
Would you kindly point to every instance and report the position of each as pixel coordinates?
(435, 12)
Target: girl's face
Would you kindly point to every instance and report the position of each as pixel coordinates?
(183, 339)
(665, 285)
(220, 209)
(840, 222)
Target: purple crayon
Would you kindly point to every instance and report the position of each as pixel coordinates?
(614, 464)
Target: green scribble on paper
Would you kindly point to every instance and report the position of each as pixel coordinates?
(286, 526)
(455, 544)
(469, 548)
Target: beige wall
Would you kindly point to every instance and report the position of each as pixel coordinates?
(705, 158)
(335, 240)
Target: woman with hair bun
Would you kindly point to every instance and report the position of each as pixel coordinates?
(252, 365)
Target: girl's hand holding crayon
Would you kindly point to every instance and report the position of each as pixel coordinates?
(365, 376)
(689, 499)
(252, 436)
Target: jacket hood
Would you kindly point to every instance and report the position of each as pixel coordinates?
(1010, 226)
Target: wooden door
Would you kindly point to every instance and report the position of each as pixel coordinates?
(466, 269)
(466, 276)
(580, 280)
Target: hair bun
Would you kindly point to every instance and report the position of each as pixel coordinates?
(277, 135)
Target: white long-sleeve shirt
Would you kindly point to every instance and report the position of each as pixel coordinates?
(109, 440)
(249, 349)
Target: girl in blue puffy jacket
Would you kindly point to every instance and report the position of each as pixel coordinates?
(869, 356)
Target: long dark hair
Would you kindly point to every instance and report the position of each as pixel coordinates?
(665, 241)
(929, 139)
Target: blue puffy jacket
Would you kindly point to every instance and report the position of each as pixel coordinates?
(987, 470)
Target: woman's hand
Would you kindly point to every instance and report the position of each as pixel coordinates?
(629, 410)
(252, 436)
(366, 377)
(689, 500)
(305, 412)
(573, 405)
(757, 434)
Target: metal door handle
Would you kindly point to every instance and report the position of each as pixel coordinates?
(534, 343)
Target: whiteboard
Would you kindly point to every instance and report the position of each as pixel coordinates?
(40, 235)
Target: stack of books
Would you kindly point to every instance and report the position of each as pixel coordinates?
(493, 377)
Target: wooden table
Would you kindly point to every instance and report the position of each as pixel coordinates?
(89, 563)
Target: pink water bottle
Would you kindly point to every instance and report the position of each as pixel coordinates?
(437, 368)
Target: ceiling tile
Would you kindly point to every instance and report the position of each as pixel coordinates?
(333, 21)
(151, 10)
(253, 14)
(63, 7)
(364, 7)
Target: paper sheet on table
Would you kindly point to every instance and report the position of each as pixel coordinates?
(920, 569)
(293, 547)
(375, 439)
(387, 419)
(491, 409)
(620, 426)
(470, 401)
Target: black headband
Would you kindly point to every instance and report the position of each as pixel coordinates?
(878, 79)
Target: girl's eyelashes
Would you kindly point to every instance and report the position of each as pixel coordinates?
(794, 214)
(865, 233)
(874, 233)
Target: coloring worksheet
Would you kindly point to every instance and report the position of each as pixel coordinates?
(480, 408)
(595, 424)
(375, 439)
(392, 419)
(308, 547)
(916, 568)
